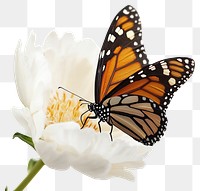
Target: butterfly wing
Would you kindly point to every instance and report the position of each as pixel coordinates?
(137, 116)
(157, 81)
(138, 104)
(122, 53)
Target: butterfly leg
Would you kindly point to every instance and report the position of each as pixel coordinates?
(111, 130)
(88, 117)
(99, 125)
(81, 117)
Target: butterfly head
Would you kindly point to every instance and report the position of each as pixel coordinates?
(91, 107)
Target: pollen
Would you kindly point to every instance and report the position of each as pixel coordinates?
(65, 107)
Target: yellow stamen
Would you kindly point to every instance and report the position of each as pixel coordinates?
(64, 108)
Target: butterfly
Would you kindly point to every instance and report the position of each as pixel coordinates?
(130, 93)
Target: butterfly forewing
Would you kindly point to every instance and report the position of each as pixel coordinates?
(122, 53)
(137, 116)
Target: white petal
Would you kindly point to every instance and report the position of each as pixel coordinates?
(23, 116)
(40, 98)
(53, 42)
(88, 152)
(31, 69)
(81, 77)
(39, 118)
(72, 64)
(52, 156)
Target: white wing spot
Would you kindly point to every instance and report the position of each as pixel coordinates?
(108, 52)
(164, 66)
(143, 75)
(172, 81)
(180, 60)
(144, 98)
(131, 16)
(130, 34)
(130, 8)
(117, 17)
(119, 31)
(103, 67)
(112, 38)
(109, 36)
(186, 61)
(144, 61)
(126, 12)
(102, 53)
(135, 43)
(140, 72)
(192, 63)
(152, 68)
(131, 77)
(166, 72)
(187, 66)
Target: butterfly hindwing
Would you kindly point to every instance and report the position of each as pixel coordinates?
(137, 116)
(157, 81)
(122, 53)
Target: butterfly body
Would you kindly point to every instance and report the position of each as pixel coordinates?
(130, 93)
(100, 111)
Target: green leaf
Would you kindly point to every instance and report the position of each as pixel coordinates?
(6, 189)
(31, 164)
(24, 138)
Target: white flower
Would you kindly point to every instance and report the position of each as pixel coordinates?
(52, 117)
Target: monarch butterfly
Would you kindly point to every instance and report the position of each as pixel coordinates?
(131, 94)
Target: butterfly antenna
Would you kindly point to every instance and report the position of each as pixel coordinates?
(81, 98)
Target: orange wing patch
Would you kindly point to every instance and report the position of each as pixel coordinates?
(127, 71)
(147, 87)
(125, 23)
(110, 67)
(121, 20)
(128, 25)
(118, 68)
(125, 56)
(117, 50)
(176, 68)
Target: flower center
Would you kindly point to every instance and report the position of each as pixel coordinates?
(63, 107)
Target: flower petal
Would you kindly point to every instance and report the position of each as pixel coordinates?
(53, 42)
(31, 69)
(23, 116)
(88, 152)
(72, 63)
